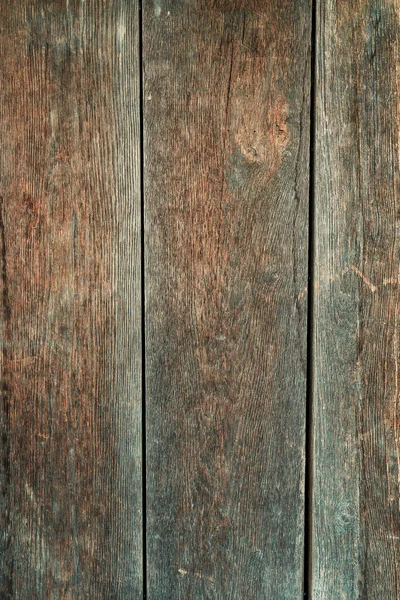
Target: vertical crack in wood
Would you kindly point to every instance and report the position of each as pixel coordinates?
(143, 295)
(7, 576)
(310, 322)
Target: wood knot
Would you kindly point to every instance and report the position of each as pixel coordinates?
(32, 210)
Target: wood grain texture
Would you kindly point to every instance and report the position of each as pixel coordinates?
(226, 143)
(70, 288)
(356, 518)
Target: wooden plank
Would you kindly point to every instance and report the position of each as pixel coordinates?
(70, 289)
(356, 523)
(226, 144)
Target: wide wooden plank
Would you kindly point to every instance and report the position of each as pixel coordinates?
(356, 457)
(226, 144)
(70, 297)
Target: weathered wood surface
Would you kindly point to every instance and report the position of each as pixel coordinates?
(356, 518)
(70, 288)
(226, 143)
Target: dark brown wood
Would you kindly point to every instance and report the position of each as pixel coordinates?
(226, 134)
(356, 457)
(70, 288)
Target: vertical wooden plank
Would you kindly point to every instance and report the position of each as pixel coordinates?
(356, 524)
(226, 136)
(70, 289)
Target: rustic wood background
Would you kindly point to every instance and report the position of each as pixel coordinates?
(199, 299)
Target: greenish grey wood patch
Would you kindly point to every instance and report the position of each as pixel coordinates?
(356, 524)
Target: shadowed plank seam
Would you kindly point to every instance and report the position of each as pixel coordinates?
(308, 480)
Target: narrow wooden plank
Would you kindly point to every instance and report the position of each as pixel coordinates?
(356, 524)
(226, 133)
(70, 289)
